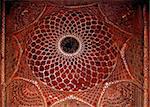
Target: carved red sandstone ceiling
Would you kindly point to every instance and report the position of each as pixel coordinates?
(71, 50)
(71, 53)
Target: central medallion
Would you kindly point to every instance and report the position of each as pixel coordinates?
(69, 45)
(73, 51)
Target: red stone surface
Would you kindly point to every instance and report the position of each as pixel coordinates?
(106, 69)
(93, 64)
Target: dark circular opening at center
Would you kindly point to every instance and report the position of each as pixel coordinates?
(69, 45)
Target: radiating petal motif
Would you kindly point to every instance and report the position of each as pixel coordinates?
(93, 54)
(74, 54)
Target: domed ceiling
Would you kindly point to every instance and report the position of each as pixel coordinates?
(86, 53)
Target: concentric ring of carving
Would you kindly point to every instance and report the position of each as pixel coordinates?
(69, 45)
(93, 62)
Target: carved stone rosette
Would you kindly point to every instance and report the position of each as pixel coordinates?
(74, 54)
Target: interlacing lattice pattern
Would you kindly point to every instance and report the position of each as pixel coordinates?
(73, 54)
(81, 68)
(71, 50)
